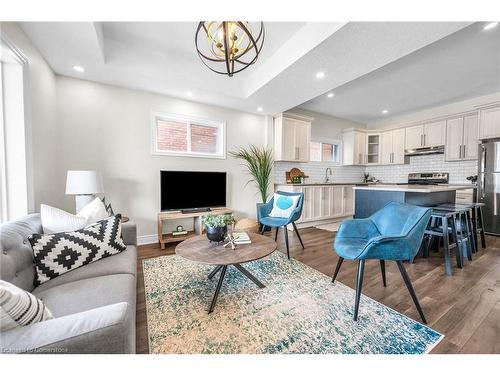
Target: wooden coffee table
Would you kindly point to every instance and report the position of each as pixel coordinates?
(199, 249)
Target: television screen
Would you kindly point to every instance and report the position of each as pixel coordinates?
(187, 190)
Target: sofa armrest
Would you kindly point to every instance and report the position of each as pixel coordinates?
(100, 330)
(129, 233)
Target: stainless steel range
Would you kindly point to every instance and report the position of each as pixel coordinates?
(433, 178)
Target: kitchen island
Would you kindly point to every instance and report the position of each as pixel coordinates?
(371, 198)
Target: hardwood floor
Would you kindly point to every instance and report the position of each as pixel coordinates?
(464, 307)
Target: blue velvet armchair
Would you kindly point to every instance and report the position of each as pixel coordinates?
(263, 211)
(393, 233)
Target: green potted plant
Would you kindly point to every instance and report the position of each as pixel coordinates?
(259, 163)
(216, 226)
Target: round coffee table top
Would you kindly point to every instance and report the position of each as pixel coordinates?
(199, 249)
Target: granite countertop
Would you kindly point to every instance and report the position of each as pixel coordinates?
(415, 188)
(320, 183)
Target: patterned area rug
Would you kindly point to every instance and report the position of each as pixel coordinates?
(299, 311)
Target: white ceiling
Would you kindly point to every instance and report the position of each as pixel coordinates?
(462, 65)
(161, 57)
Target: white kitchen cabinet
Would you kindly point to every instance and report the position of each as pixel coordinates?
(489, 123)
(323, 202)
(372, 149)
(398, 146)
(435, 133)
(427, 135)
(354, 147)
(393, 147)
(292, 135)
(471, 132)
(454, 138)
(414, 137)
(461, 138)
(348, 201)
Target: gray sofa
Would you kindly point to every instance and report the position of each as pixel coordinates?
(93, 306)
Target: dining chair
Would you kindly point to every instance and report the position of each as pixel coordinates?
(394, 233)
(263, 211)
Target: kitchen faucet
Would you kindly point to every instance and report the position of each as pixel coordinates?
(326, 173)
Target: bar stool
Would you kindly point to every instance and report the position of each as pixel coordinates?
(466, 224)
(443, 224)
(478, 223)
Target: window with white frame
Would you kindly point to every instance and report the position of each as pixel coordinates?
(187, 136)
(14, 196)
(325, 151)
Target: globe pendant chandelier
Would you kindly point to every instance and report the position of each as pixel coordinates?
(228, 47)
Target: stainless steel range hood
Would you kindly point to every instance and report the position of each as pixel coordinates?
(424, 151)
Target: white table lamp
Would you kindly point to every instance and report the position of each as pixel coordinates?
(83, 185)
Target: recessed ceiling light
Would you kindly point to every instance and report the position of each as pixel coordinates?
(189, 93)
(385, 111)
(320, 75)
(490, 25)
(260, 109)
(78, 68)
(330, 95)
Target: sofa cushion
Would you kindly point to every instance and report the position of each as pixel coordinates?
(86, 294)
(16, 256)
(55, 220)
(124, 262)
(20, 308)
(56, 254)
(94, 211)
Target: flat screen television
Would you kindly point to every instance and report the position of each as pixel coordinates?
(192, 190)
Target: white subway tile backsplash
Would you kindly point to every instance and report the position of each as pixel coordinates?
(458, 170)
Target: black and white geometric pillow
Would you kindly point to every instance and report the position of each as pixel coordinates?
(58, 253)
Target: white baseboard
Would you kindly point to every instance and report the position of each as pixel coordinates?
(147, 239)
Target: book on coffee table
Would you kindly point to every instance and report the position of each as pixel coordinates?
(241, 238)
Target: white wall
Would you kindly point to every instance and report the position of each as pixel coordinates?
(107, 128)
(433, 112)
(40, 117)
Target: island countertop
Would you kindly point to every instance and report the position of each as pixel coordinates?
(414, 188)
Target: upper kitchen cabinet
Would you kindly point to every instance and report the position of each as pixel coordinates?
(461, 138)
(373, 149)
(489, 123)
(393, 147)
(427, 135)
(292, 135)
(354, 147)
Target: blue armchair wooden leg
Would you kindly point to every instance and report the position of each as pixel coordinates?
(337, 269)
(359, 285)
(298, 235)
(276, 234)
(382, 268)
(407, 281)
(263, 229)
(286, 241)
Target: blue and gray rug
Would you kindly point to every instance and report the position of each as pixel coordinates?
(299, 311)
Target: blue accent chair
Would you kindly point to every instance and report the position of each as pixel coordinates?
(395, 233)
(263, 211)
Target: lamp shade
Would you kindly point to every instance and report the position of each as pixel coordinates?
(83, 182)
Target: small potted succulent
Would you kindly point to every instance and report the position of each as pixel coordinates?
(216, 226)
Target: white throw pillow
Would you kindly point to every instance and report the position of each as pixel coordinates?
(20, 308)
(55, 220)
(94, 212)
(283, 205)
